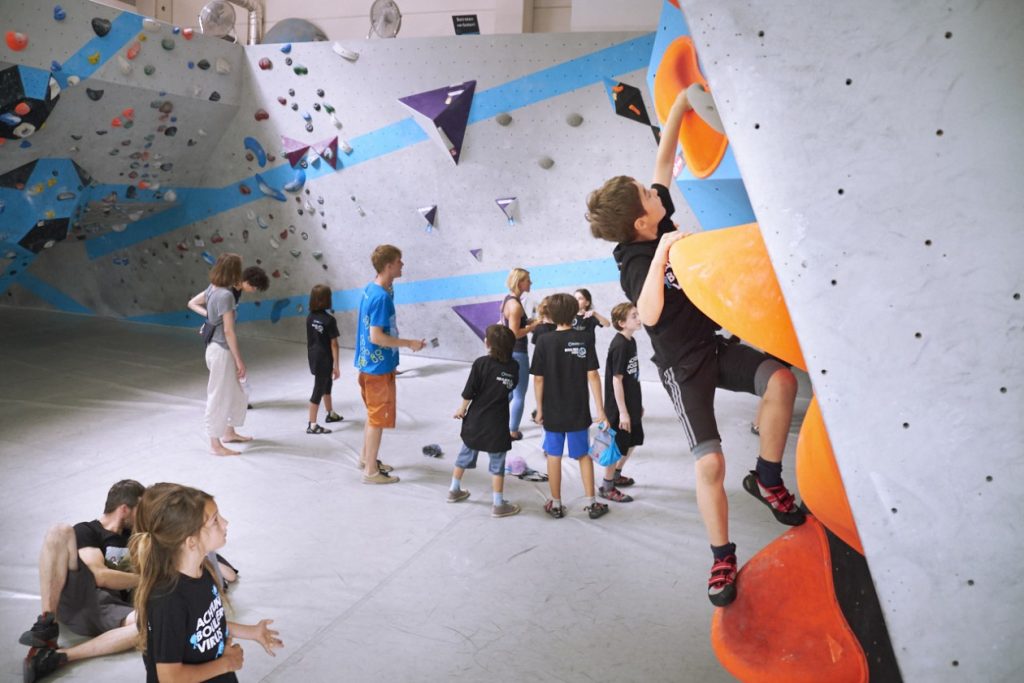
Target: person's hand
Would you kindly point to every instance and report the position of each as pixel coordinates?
(267, 637)
(233, 656)
(335, 373)
(417, 344)
(666, 242)
(589, 313)
(539, 417)
(601, 419)
(624, 423)
(460, 413)
(240, 369)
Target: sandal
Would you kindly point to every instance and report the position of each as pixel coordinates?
(333, 417)
(532, 475)
(317, 429)
(556, 512)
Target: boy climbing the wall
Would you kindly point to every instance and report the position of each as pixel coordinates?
(691, 359)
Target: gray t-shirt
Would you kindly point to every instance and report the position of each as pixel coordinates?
(219, 300)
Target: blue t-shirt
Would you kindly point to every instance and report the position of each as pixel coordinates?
(377, 309)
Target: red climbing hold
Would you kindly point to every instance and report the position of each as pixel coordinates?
(245, 189)
(261, 115)
(266, 64)
(17, 41)
(116, 123)
(128, 113)
(133, 50)
(187, 33)
(22, 109)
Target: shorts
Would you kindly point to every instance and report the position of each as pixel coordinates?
(735, 367)
(626, 440)
(381, 399)
(88, 610)
(579, 443)
(322, 383)
(467, 460)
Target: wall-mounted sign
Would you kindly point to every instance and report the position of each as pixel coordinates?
(466, 24)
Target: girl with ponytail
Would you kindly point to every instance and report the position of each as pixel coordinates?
(184, 634)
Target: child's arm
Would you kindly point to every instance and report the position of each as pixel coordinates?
(232, 340)
(197, 304)
(538, 394)
(261, 633)
(669, 140)
(620, 401)
(652, 295)
(461, 412)
(179, 672)
(605, 322)
(594, 377)
(336, 370)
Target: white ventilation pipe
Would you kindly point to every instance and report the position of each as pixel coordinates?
(255, 9)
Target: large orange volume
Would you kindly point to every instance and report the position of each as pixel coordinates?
(727, 274)
(703, 146)
(819, 481)
(786, 624)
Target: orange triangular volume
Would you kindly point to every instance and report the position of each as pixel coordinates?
(786, 624)
(819, 481)
(703, 146)
(727, 274)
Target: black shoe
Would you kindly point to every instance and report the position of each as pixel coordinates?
(43, 632)
(42, 662)
(596, 510)
(778, 499)
(722, 584)
(333, 417)
(248, 406)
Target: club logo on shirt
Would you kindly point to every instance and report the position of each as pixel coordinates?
(208, 634)
(670, 278)
(317, 325)
(633, 367)
(506, 379)
(578, 349)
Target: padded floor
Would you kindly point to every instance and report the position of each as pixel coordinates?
(365, 583)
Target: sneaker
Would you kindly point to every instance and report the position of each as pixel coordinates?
(506, 509)
(777, 498)
(43, 632)
(596, 510)
(622, 482)
(380, 478)
(316, 429)
(458, 496)
(333, 417)
(614, 494)
(722, 584)
(556, 512)
(381, 467)
(42, 662)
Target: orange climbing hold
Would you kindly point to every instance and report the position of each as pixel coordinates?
(16, 41)
(703, 146)
(786, 624)
(22, 109)
(727, 274)
(819, 481)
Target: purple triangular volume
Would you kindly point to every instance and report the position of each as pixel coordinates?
(478, 254)
(429, 213)
(505, 204)
(479, 316)
(293, 150)
(448, 110)
(328, 151)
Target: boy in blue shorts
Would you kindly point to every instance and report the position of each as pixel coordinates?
(692, 359)
(564, 363)
(484, 414)
(623, 399)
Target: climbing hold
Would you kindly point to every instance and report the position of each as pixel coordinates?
(260, 221)
(478, 254)
(245, 189)
(295, 106)
(291, 92)
(101, 26)
(208, 257)
(300, 70)
(116, 122)
(187, 33)
(167, 44)
(284, 233)
(307, 116)
(58, 13)
(203, 64)
(175, 30)
(269, 191)
(222, 66)
(295, 252)
(288, 61)
(22, 109)
(16, 41)
(345, 147)
(94, 95)
(215, 96)
(125, 66)
(546, 162)
(216, 238)
(94, 58)
(345, 53)
(171, 131)
(574, 120)
(261, 115)
(245, 235)
(73, 81)
(286, 48)
(507, 206)
(170, 196)
(149, 69)
(55, 66)
(335, 121)
(282, 101)
(274, 243)
(266, 64)
(133, 50)
(503, 119)
(151, 25)
(316, 106)
(254, 146)
(297, 182)
(128, 113)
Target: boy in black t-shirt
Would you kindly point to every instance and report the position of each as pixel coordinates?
(691, 359)
(322, 347)
(484, 414)
(564, 363)
(622, 398)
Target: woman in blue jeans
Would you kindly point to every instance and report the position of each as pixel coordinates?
(513, 316)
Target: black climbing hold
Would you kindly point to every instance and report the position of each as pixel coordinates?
(203, 64)
(94, 95)
(215, 96)
(171, 131)
(101, 26)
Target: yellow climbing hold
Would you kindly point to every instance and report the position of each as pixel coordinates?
(94, 58)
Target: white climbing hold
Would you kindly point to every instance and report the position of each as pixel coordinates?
(345, 147)
(344, 52)
(170, 195)
(223, 66)
(74, 80)
(151, 25)
(125, 66)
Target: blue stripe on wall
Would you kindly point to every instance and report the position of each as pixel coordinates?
(567, 275)
(122, 30)
(50, 294)
(203, 203)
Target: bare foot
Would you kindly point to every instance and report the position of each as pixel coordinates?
(223, 450)
(235, 437)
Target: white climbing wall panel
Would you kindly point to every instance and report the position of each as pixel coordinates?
(880, 144)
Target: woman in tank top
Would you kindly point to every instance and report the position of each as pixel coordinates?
(513, 316)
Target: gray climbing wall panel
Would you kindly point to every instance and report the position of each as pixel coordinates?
(325, 231)
(880, 146)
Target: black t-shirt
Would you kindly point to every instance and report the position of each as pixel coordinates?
(563, 359)
(622, 360)
(541, 330)
(485, 427)
(682, 330)
(113, 546)
(588, 325)
(321, 328)
(186, 625)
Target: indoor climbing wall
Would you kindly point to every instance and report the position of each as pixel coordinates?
(880, 151)
(472, 154)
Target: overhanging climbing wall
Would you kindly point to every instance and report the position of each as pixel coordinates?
(880, 147)
(252, 172)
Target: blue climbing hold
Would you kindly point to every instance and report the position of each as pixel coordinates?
(269, 191)
(254, 146)
(286, 48)
(278, 309)
(208, 257)
(58, 13)
(297, 182)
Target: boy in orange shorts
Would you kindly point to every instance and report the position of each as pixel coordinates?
(376, 358)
